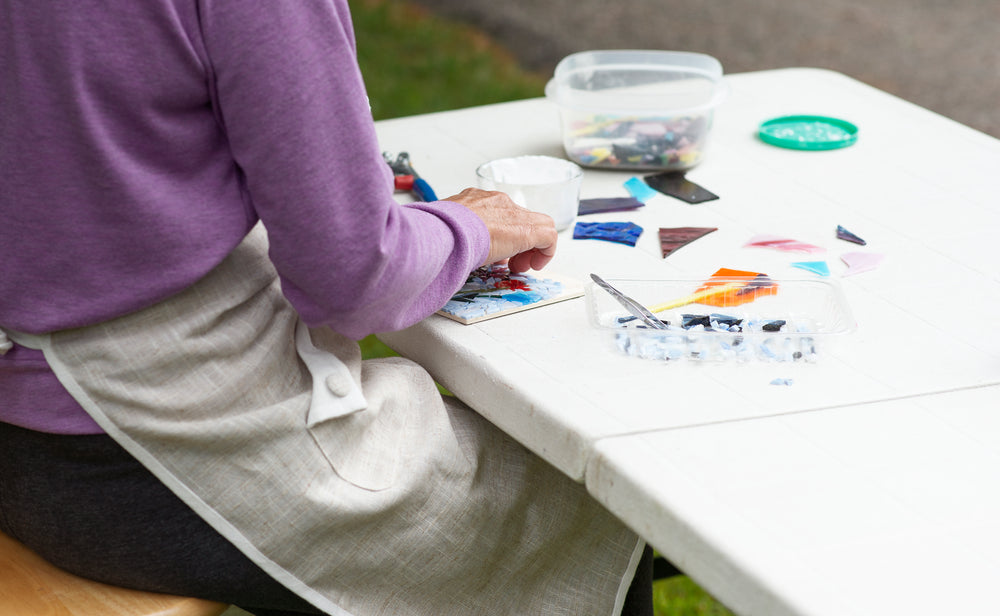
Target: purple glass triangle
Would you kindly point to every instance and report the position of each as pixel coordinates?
(844, 234)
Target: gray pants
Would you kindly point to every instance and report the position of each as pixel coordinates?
(86, 505)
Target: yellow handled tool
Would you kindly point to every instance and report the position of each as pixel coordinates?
(699, 296)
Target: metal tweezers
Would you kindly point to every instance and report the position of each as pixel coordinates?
(635, 308)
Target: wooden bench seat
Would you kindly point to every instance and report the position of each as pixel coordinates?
(30, 586)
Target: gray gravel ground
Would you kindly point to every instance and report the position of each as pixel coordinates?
(941, 54)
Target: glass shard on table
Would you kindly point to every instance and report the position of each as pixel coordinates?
(675, 237)
(674, 184)
(726, 287)
(639, 189)
(846, 235)
(619, 232)
(816, 267)
(609, 204)
(858, 262)
(783, 243)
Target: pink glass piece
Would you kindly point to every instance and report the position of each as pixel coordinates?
(783, 243)
(858, 262)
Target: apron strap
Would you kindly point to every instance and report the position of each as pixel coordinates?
(9, 336)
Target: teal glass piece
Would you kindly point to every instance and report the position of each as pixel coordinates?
(816, 267)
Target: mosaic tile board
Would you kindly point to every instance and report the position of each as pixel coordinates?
(492, 291)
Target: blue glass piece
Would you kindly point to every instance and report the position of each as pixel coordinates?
(725, 319)
(693, 320)
(620, 232)
(522, 298)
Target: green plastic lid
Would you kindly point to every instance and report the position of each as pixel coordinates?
(808, 132)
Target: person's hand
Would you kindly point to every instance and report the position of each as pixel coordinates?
(525, 239)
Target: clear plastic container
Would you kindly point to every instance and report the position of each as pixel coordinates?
(637, 109)
(794, 324)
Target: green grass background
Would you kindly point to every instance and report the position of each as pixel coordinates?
(414, 62)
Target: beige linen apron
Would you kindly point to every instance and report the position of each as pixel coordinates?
(356, 485)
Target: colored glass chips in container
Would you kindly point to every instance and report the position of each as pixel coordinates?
(639, 109)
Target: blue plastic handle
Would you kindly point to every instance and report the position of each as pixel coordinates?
(423, 190)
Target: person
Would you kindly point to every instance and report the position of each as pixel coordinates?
(198, 226)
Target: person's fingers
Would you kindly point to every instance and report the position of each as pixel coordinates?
(526, 238)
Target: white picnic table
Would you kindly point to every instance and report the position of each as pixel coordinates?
(871, 483)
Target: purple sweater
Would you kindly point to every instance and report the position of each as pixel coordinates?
(140, 142)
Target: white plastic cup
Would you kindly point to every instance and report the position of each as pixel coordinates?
(539, 183)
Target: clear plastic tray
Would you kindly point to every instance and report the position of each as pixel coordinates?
(795, 324)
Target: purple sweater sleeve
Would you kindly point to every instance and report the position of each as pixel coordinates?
(142, 140)
(297, 117)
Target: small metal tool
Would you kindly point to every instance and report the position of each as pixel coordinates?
(635, 308)
(403, 170)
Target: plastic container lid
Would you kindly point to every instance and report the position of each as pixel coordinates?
(808, 132)
(646, 81)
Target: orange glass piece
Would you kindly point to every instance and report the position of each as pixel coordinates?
(726, 287)
(729, 287)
